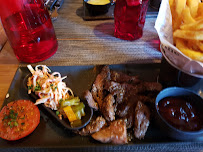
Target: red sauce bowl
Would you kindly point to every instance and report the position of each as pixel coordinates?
(179, 113)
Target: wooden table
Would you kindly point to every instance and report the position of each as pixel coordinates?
(8, 67)
(6, 75)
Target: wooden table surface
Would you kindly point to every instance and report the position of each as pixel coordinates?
(6, 76)
(8, 67)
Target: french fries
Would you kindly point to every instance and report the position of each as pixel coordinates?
(180, 43)
(189, 34)
(187, 18)
(200, 9)
(187, 21)
(193, 5)
(197, 25)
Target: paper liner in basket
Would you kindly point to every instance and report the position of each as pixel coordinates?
(174, 56)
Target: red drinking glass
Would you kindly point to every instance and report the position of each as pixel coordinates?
(129, 18)
(29, 29)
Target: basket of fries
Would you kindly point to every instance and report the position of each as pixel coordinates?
(179, 25)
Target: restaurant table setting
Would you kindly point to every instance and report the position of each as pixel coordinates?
(80, 45)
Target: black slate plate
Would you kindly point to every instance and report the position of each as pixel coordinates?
(51, 136)
(151, 13)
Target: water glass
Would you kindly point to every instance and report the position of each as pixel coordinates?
(129, 18)
(29, 29)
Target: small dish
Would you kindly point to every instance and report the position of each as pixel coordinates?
(64, 122)
(167, 127)
(95, 8)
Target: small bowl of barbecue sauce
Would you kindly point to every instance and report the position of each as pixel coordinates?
(180, 113)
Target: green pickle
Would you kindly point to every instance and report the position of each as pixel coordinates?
(79, 110)
(70, 102)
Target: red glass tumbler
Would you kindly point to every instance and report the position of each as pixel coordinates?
(29, 29)
(129, 18)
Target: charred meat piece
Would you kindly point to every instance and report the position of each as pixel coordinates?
(126, 110)
(129, 118)
(97, 95)
(124, 78)
(116, 89)
(97, 87)
(91, 102)
(145, 86)
(141, 123)
(93, 126)
(108, 109)
(116, 133)
(122, 109)
(130, 101)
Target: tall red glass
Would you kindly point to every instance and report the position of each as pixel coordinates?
(29, 29)
(129, 18)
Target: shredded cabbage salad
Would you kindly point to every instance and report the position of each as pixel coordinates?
(49, 87)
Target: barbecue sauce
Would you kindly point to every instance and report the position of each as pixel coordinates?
(180, 113)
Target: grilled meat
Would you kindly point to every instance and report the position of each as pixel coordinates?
(141, 123)
(129, 118)
(116, 89)
(91, 102)
(130, 101)
(93, 126)
(116, 133)
(126, 109)
(118, 95)
(108, 109)
(98, 86)
(144, 87)
(124, 78)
